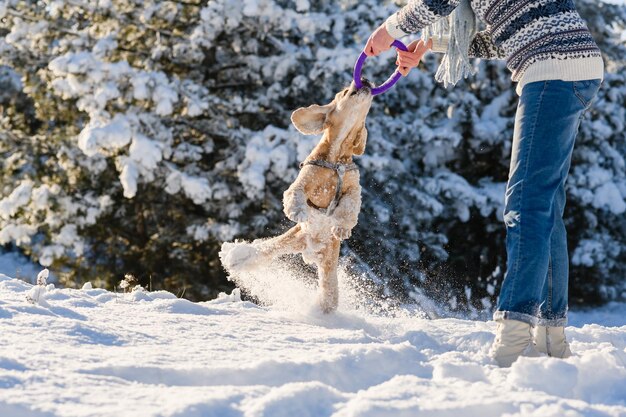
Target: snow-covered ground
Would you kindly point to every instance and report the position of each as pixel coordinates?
(92, 352)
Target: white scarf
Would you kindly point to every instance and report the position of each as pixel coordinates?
(460, 25)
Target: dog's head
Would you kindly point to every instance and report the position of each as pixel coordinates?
(342, 120)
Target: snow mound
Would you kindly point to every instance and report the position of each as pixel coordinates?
(158, 355)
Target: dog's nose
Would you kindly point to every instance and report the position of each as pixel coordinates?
(367, 83)
(366, 87)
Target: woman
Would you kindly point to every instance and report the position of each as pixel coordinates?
(559, 69)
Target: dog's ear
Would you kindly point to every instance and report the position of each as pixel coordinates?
(360, 139)
(311, 120)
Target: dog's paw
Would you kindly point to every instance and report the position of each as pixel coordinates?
(238, 256)
(341, 233)
(328, 303)
(297, 215)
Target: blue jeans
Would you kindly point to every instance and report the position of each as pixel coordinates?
(548, 115)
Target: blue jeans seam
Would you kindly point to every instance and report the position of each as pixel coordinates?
(521, 193)
(549, 297)
(582, 101)
(586, 104)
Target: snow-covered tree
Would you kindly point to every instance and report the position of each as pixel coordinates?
(138, 135)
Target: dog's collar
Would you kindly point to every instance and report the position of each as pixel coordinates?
(340, 168)
(337, 166)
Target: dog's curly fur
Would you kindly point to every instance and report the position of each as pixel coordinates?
(318, 236)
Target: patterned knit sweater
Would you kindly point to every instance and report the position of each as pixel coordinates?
(540, 39)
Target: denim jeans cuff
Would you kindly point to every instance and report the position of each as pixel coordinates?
(514, 315)
(558, 322)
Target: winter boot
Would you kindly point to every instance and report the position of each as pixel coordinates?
(513, 339)
(551, 341)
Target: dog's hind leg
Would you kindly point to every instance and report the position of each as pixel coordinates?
(327, 271)
(242, 256)
(292, 241)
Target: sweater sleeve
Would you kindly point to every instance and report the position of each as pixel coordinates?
(482, 46)
(418, 14)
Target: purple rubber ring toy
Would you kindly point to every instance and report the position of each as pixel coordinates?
(358, 68)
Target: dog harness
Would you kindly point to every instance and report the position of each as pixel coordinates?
(340, 169)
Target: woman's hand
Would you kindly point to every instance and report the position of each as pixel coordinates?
(410, 59)
(379, 41)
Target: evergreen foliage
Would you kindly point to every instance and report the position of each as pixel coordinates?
(136, 136)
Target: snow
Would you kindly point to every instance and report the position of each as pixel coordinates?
(490, 125)
(197, 189)
(154, 104)
(113, 135)
(91, 352)
(16, 265)
(145, 152)
(608, 195)
(18, 233)
(128, 178)
(18, 198)
(272, 150)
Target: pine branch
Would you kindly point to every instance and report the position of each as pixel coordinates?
(195, 126)
(186, 3)
(219, 69)
(225, 86)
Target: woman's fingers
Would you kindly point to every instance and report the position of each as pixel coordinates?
(405, 68)
(369, 48)
(408, 61)
(411, 58)
(411, 47)
(421, 48)
(407, 65)
(418, 54)
(379, 41)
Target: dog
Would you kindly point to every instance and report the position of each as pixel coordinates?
(325, 199)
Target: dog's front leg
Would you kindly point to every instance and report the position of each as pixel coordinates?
(346, 215)
(294, 202)
(328, 298)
